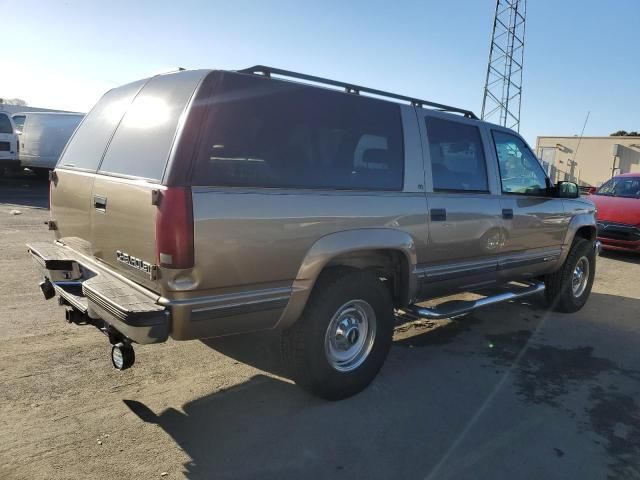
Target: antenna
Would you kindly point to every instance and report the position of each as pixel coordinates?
(503, 84)
(573, 161)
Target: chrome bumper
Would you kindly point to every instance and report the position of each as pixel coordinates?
(95, 292)
(597, 246)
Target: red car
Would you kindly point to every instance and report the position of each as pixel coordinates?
(618, 204)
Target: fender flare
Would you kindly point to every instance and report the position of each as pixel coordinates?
(586, 219)
(347, 241)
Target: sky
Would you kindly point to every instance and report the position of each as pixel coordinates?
(580, 55)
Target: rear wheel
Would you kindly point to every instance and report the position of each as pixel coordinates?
(568, 289)
(340, 342)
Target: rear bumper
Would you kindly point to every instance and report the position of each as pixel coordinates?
(128, 308)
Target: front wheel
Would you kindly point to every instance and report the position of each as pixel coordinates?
(340, 342)
(568, 289)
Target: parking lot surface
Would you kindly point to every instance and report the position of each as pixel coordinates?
(512, 391)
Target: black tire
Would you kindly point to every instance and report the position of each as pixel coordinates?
(303, 344)
(558, 285)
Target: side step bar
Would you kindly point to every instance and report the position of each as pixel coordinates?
(460, 307)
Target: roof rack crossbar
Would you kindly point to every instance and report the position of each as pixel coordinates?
(355, 89)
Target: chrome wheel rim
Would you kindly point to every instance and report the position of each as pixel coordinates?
(350, 335)
(580, 277)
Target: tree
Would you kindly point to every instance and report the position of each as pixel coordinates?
(624, 133)
(13, 101)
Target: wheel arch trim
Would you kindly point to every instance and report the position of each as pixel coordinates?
(330, 246)
(580, 221)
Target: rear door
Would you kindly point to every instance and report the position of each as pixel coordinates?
(123, 216)
(464, 211)
(535, 222)
(71, 191)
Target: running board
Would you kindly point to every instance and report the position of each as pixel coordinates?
(460, 307)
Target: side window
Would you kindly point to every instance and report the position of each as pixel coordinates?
(18, 120)
(457, 157)
(270, 133)
(5, 124)
(520, 171)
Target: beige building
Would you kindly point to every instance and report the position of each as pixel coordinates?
(593, 162)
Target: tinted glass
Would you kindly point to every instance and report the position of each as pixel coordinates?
(18, 121)
(520, 171)
(457, 157)
(270, 133)
(142, 143)
(621, 187)
(89, 142)
(5, 124)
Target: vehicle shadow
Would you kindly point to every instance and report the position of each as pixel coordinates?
(628, 257)
(423, 401)
(24, 189)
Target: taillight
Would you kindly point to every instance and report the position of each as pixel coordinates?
(174, 228)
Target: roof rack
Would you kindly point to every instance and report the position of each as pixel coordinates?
(355, 89)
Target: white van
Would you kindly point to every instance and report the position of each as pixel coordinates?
(8, 144)
(43, 136)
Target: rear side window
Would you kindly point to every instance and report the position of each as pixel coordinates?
(143, 140)
(18, 121)
(89, 142)
(271, 133)
(5, 124)
(457, 156)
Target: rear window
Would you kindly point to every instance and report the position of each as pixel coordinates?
(143, 140)
(5, 124)
(88, 144)
(271, 133)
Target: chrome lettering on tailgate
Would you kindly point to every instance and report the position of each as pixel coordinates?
(137, 263)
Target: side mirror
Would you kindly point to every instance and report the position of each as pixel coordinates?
(567, 190)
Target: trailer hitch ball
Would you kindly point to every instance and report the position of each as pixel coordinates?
(122, 356)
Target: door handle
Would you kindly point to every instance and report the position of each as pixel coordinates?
(100, 203)
(438, 215)
(507, 213)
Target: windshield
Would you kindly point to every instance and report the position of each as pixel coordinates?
(621, 187)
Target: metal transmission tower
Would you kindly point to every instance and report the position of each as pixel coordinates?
(503, 86)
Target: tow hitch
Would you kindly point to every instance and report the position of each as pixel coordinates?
(122, 354)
